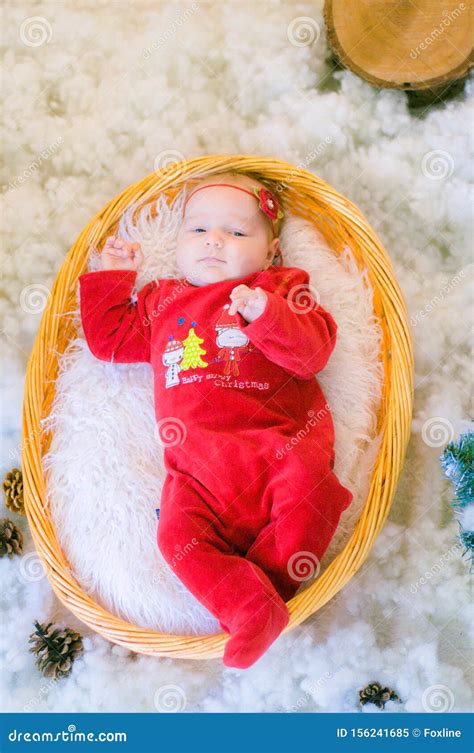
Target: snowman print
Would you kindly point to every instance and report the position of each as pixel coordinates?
(171, 357)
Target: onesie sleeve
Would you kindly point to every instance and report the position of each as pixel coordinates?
(294, 331)
(116, 329)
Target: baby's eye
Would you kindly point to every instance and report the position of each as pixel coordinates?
(237, 232)
(199, 229)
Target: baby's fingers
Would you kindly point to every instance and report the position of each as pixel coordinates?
(239, 289)
(137, 254)
(236, 303)
(114, 243)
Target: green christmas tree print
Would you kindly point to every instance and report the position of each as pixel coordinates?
(193, 352)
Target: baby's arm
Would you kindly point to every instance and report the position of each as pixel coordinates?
(116, 329)
(299, 336)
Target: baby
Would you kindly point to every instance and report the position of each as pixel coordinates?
(250, 496)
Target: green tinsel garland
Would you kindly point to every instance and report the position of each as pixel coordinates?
(456, 461)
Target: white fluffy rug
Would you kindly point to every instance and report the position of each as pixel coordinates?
(94, 98)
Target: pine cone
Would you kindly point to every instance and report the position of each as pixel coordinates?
(375, 693)
(13, 490)
(11, 538)
(55, 649)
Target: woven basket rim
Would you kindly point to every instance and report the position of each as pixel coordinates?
(308, 194)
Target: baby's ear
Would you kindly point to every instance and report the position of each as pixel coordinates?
(273, 249)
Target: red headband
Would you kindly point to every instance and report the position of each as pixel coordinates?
(267, 201)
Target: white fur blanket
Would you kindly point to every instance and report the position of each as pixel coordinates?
(105, 466)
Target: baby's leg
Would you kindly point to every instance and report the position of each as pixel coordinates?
(303, 521)
(231, 587)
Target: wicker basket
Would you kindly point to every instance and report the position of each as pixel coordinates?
(307, 196)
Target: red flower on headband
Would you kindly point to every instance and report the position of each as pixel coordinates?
(268, 203)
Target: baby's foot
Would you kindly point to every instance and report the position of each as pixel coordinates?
(263, 622)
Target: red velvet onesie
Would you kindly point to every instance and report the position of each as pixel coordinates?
(250, 495)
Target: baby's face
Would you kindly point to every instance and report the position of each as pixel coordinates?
(224, 235)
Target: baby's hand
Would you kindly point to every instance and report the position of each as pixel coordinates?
(117, 254)
(249, 302)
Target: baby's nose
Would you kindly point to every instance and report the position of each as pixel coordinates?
(214, 238)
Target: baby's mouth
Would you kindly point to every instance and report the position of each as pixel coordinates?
(212, 260)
